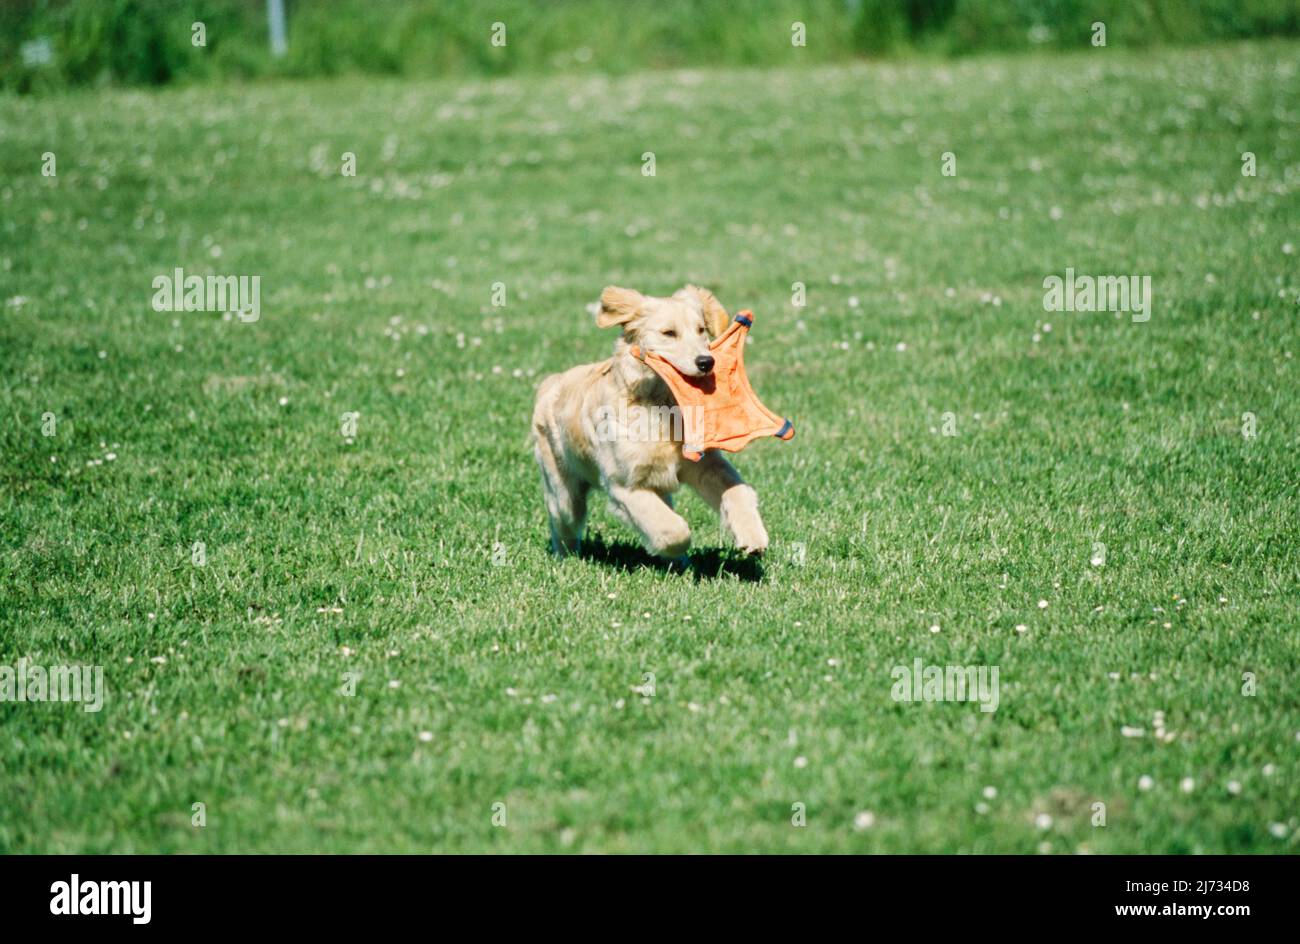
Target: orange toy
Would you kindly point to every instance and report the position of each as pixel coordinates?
(719, 410)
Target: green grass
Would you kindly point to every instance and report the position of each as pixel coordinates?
(152, 42)
(376, 298)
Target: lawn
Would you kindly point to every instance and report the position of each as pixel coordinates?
(1067, 496)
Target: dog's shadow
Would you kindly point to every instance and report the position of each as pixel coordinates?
(704, 564)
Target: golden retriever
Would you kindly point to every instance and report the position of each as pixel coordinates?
(614, 425)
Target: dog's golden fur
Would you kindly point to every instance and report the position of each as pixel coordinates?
(583, 439)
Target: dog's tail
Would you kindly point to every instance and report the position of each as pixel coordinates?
(537, 424)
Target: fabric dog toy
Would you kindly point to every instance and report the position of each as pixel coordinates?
(719, 410)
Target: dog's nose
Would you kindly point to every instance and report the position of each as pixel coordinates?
(705, 363)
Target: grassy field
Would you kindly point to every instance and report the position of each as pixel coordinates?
(148, 42)
(414, 553)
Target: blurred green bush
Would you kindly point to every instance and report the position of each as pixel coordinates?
(48, 44)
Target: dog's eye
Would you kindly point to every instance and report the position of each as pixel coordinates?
(670, 333)
(701, 329)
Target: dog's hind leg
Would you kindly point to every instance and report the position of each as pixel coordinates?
(566, 500)
(718, 483)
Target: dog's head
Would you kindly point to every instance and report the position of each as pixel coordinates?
(678, 328)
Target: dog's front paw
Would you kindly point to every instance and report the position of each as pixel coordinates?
(754, 544)
(671, 540)
(740, 516)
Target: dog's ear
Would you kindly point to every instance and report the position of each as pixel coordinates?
(618, 306)
(716, 318)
